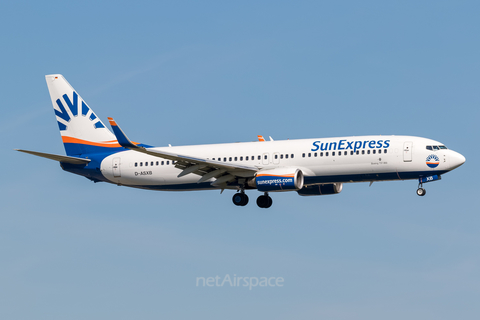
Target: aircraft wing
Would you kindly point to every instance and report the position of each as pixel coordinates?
(222, 171)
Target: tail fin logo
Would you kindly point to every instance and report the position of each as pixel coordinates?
(64, 116)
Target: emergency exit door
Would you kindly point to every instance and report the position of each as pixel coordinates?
(116, 167)
(407, 151)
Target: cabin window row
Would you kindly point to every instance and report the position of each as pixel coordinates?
(248, 158)
(153, 163)
(339, 153)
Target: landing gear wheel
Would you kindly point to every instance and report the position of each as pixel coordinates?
(240, 199)
(421, 192)
(264, 201)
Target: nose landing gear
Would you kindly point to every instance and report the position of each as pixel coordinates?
(420, 191)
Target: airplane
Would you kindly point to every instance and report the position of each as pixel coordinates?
(310, 167)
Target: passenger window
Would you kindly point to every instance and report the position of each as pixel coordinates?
(374, 151)
(136, 164)
(321, 154)
(146, 164)
(276, 156)
(246, 158)
(351, 152)
(259, 158)
(358, 152)
(168, 162)
(339, 153)
(151, 163)
(235, 158)
(326, 154)
(163, 162)
(265, 157)
(286, 156)
(225, 159)
(363, 151)
(385, 151)
(345, 153)
(309, 154)
(281, 156)
(141, 164)
(229, 158)
(368, 151)
(241, 158)
(333, 153)
(303, 155)
(291, 156)
(315, 154)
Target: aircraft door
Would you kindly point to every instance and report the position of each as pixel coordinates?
(116, 167)
(407, 151)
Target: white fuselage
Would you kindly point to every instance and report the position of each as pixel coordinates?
(325, 160)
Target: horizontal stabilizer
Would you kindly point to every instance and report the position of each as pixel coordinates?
(56, 157)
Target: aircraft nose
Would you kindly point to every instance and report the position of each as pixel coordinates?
(456, 159)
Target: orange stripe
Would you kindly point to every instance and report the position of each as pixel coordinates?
(260, 138)
(112, 122)
(107, 144)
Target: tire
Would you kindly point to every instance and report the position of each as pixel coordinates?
(240, 199)
(264, 202)
(421, 192)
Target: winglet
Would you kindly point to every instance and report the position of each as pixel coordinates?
(121, 136)
(260, 138)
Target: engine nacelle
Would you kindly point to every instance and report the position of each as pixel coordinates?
(278, 179)
(321, 189)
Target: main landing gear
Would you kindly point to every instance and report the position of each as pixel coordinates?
(241, 199)
(264, 201)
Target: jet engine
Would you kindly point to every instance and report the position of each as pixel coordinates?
(278, 179)
(321, 189)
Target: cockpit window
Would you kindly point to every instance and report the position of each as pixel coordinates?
(436, 147)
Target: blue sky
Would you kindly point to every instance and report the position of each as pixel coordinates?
(213, 72)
